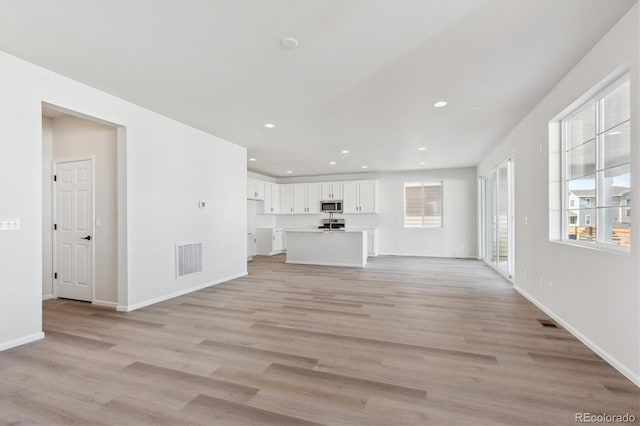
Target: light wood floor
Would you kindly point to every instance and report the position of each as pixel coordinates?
(404, 341)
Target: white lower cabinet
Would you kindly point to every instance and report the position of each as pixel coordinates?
(251, 245)
(270, 241)
(372, 242)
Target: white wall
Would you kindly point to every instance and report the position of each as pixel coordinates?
(457, 236)
(47, 216)
(164, 169)
(595, 294)
(75, 138)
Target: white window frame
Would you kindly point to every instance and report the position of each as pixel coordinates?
(404, 204)
(598, 243)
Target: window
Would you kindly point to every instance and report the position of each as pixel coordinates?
(587, 220)
(422, 205)
(596, 145)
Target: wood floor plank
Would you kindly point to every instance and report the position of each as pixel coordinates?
(230, 413)
(404, 341)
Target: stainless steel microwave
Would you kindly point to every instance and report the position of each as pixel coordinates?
(332, 206)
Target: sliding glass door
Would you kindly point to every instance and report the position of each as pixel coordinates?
(497, 205)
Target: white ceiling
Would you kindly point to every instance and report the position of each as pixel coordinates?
(364, 77)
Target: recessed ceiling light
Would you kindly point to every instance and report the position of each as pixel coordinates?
(422, 163)
(289, 43)
(345, 151)
(289, 171)
(332, 163)
(252, 159)
(440, 104)
(269, 125)
(422, 148)
(365, 167)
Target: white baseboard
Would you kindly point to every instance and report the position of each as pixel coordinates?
(625, 371)
(47, 296)
(499, 271)
(424, 255)
(349, 265)
(133, 307)
(21, 341)
(105, 303)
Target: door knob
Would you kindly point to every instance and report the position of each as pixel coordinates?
(88, 238)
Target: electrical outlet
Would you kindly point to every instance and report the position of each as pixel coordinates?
(526, 220)
(541, 282)
(550, 286)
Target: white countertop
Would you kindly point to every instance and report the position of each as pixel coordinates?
(317, 230)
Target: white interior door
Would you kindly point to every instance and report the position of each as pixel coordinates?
(74, 230)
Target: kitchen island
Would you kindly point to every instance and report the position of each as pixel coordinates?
(332, 248)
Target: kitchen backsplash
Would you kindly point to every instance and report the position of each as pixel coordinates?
(312, 221)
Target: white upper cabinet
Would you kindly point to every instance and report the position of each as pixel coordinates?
(360, 197)
(350, 201)
(331, 191)
(313, 198)
(306, 198)
(255, 189)
(368, 196)
(286, 199)
(271, 198)
(300, 198)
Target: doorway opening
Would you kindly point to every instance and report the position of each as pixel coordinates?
(82, 230)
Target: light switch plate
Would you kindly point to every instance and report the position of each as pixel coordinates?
(9, 224)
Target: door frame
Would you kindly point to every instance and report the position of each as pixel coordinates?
(486, 237)
(54, 215)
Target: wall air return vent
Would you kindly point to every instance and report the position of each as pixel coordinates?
(188, 259)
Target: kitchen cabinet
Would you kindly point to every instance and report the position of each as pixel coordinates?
(271, 198)
(360, 197)
(251, 245)
(372, 243)
(286, 199)
(255, 189)
(331, 191)
(306, 198)
(270, 241)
